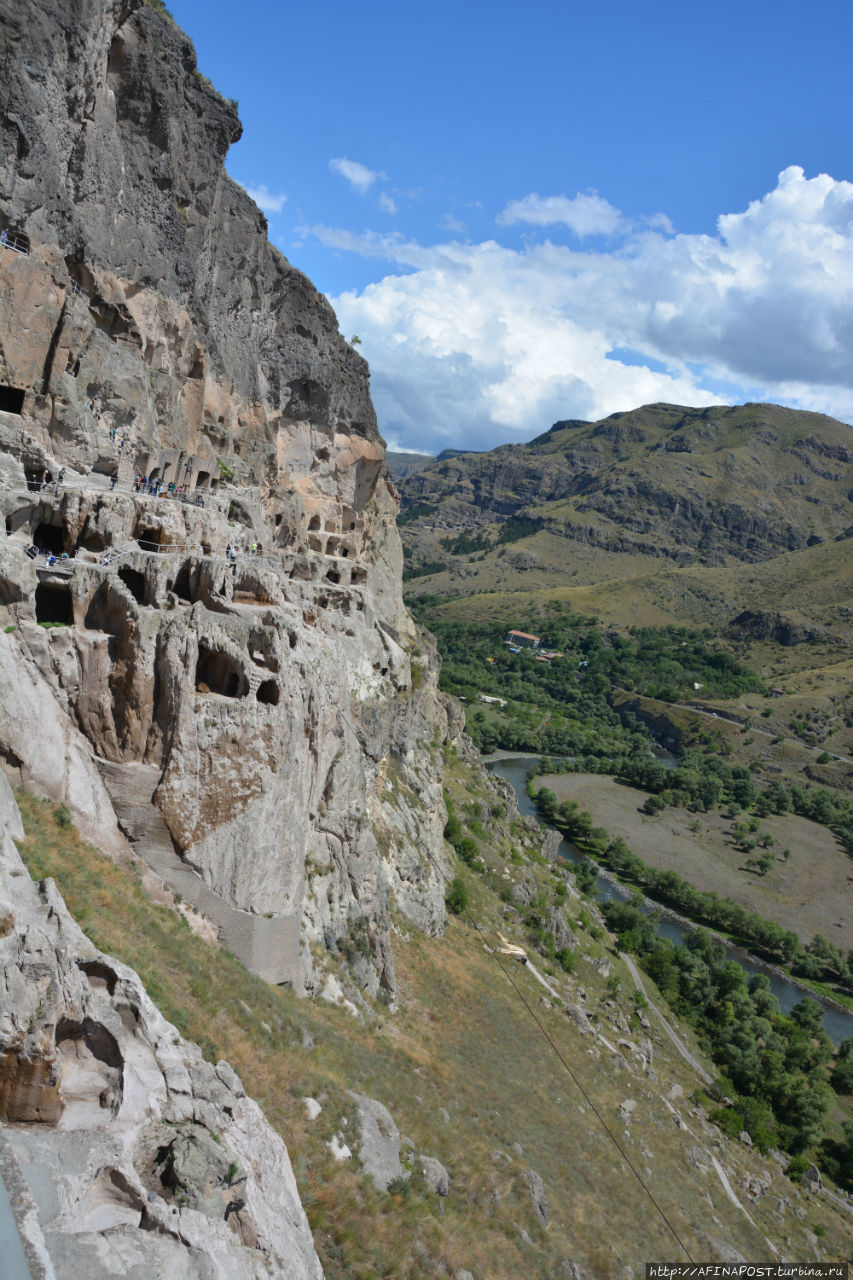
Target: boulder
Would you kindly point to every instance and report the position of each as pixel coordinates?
(538, 1197)
(379, 1142)
(435, 1175)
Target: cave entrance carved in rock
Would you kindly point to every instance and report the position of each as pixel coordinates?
(217, 672)
(11, 399)
(268, 692)
(54, 604)
(50, 537)
(134, 581)
(149, 540)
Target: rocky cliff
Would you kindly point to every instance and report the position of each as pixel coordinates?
(125, 1151)
(218, 670)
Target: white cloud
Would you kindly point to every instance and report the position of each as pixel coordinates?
(473, 344)
(586, 215)
(266, 200)
(453, 224)
(387, 203)
(357, 175)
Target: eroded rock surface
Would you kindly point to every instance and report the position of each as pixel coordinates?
(222, 674)
(130, 1150)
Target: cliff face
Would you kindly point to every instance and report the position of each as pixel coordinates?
(237, 688)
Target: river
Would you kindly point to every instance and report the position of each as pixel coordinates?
(838, 1024)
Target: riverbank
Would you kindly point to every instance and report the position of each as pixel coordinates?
(747, 959)
(806, 890)
(838, 1019)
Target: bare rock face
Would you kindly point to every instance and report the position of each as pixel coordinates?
(222, 673)
(129, 1149)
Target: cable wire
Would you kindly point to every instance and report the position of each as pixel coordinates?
(544, 1031)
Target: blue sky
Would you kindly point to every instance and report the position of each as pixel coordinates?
(539, 211)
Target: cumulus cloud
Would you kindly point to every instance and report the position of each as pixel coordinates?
(586, 215)
(266, 200)
(357, 175)
(473, 344)
(387, 203)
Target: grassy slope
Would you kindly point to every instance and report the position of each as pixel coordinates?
(463, 1041)
(634, 493)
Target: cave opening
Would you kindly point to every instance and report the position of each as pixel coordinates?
(181, 585)
(216, 672)
(11, 399)
(333, 576)
(54, 604)
(49, 537)
(135, 583)
(268, 692)
(149, 540)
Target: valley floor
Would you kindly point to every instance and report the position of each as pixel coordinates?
(810, 892)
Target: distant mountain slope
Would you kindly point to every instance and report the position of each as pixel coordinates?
(708, 485)
(405, 464)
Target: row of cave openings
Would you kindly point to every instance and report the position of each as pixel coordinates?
(216, 672)
(52, 538)
(54, 601)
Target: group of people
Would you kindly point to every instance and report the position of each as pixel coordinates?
(231, 553)
(44, 479)
(154, 486)
(50, 557)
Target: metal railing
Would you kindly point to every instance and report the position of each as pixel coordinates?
(17, 244)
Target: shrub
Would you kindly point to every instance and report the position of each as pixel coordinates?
(456, 898)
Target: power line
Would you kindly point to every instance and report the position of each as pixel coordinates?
(528, 1007)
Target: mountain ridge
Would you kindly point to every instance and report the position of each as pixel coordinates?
(741, 483)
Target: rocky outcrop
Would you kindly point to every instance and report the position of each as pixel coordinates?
(222, 672)
(128, 1150)
(767, 624)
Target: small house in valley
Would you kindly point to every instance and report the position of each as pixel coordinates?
(521, 640)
